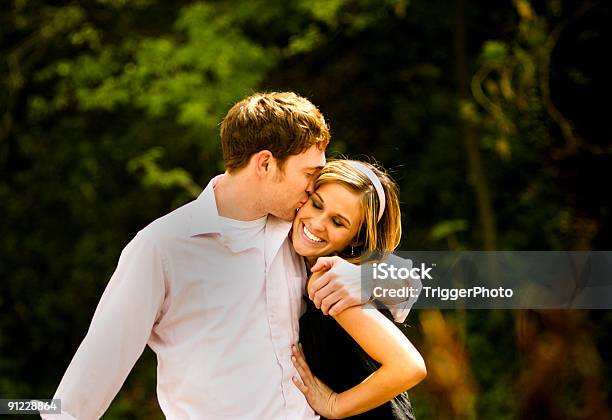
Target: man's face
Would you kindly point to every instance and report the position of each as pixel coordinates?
(290, 188)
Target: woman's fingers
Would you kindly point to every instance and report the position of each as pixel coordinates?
(300, 352)
(320, 397)
(300, 363)
(300, 385)
(303, 377)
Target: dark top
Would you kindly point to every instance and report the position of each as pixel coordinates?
(337, 360)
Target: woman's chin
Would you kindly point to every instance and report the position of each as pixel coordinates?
(306, 251)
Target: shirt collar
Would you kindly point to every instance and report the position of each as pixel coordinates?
(277, 232)
(205, 217)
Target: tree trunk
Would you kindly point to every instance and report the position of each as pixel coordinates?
(476, 176)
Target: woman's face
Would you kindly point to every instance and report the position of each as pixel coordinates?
(328, 222)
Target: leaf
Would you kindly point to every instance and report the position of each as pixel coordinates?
(447, 228)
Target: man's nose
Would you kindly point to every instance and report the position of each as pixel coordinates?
(303, 201)
(310, 188)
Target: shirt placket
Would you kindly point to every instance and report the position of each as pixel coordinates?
(278, 311)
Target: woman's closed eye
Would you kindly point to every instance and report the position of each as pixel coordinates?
(337, 222)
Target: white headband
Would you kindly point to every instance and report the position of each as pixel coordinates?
(375, 181)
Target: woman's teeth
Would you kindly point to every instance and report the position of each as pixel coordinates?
(311, 236)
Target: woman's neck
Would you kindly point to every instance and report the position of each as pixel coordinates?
(310, 261)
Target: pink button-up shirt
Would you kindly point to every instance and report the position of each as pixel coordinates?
(220, 316)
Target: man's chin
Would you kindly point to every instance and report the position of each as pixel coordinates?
(287, 217)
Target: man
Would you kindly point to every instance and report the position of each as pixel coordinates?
(214, 287)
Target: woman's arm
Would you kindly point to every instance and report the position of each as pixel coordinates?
(401, 368)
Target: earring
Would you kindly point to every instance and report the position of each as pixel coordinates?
(352, 251)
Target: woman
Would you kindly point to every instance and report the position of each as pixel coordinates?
(365, 359)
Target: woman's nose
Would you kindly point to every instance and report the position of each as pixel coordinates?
(317, 224)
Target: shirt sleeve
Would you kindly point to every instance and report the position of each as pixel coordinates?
(119, 331)
(401, 310)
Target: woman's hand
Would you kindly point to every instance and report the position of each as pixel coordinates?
(320, 397)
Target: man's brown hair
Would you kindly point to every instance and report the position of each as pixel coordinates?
(282, 122)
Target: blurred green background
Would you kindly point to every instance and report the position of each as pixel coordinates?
(492, 116)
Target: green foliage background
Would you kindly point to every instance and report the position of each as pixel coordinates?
(491, 116)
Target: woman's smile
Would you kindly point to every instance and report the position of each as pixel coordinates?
(311, 237)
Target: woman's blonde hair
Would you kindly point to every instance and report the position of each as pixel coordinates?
(375, 238)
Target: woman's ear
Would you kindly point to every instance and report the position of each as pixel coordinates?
(356, 242)
(358, 239)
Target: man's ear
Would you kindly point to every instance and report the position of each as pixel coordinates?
(263, 161)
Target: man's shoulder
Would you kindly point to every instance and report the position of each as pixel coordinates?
(174, 225)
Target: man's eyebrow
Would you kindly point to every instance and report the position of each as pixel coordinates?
(315, 168)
